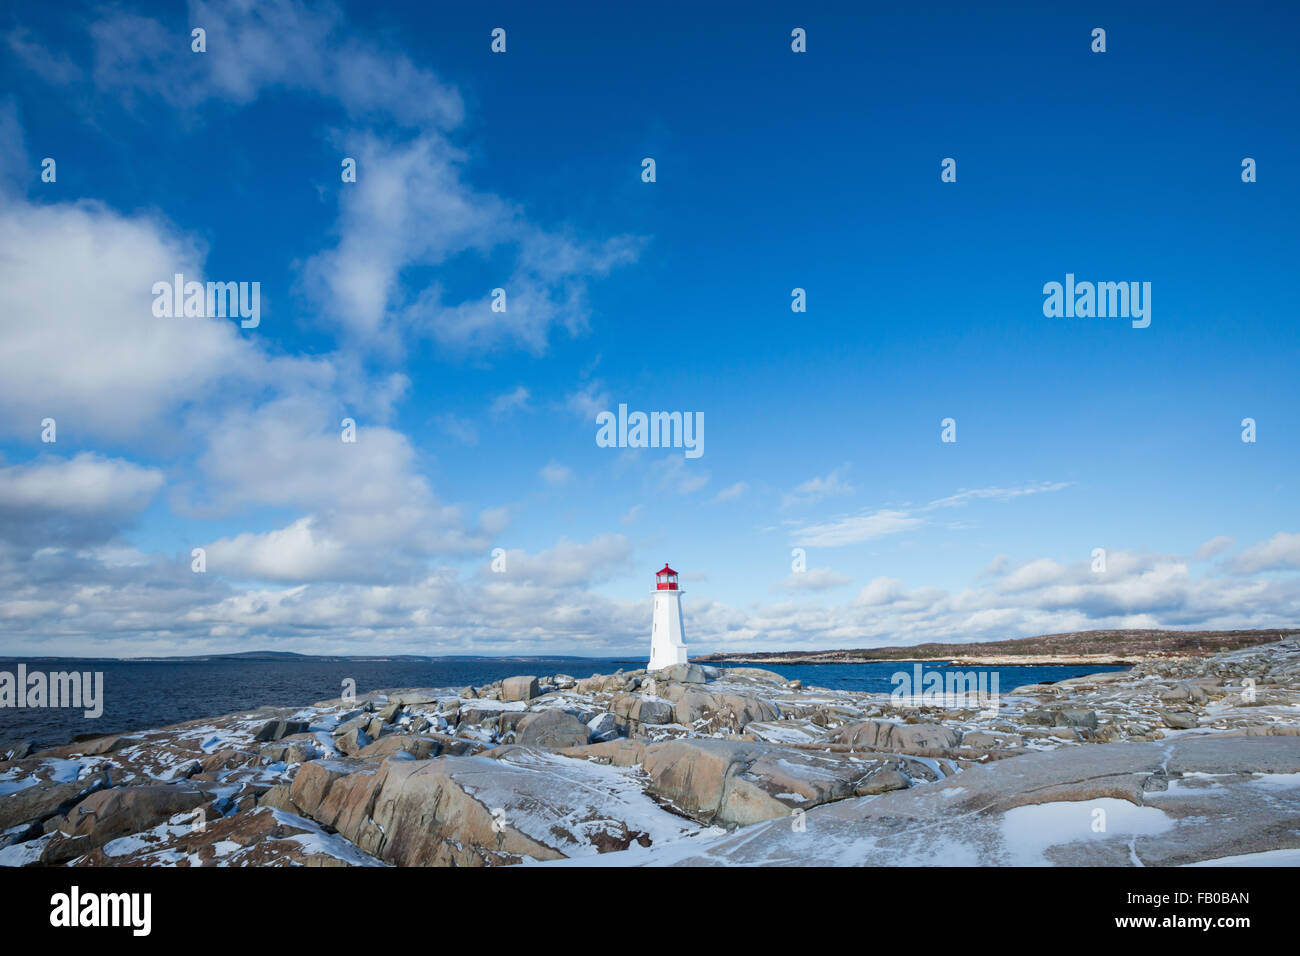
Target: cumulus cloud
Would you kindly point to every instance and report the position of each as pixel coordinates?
(78, 325)
(567, 564)
(80, 601)
(1278, 552)
(411, 207)
(371, 514)
(83, 499)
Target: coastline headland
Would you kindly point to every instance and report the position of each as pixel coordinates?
(1074, 648)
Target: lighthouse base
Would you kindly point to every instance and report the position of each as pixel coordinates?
(662, 657)
(666, 644)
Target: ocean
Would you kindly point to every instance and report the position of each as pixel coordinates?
(143, 695)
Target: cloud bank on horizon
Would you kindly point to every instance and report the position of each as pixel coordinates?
(500, 272)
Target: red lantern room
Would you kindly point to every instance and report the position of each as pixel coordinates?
(666, 580)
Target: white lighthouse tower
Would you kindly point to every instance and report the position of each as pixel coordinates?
(667, 639)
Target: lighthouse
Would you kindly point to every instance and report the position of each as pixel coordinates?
(667, 639)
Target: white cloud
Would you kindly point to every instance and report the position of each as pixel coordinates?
(370, 514)
(461, 429)
(731, 492)
(1032, 575)
(81, 603)
(1215, 546)
(49, 65)
(79, 500)
(567, 564)
(675, 474)
(259, 45)
(589, 401)
(78, 326)
(881, 591)
(1278, 552)
(84, 485)
(854, 529)
(555, 474)
(998, 494)
(829, 485)
(999, 565)
(512, 401)
(869, 525)
(411, 207)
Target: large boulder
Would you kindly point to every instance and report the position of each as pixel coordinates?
(601, 684)
(388, 713)
(275, 729)
(552, 728)
(46, 797)
(418, 746)
(484, 811)
(603, 726)
(289, 751)
(895, 738)
(108, 814)
(357, 721)
(736, 783)
(753, 673)
(16, 749)
(314, 780)
(353, 742)
(682, 673)
(519, 688)
(710, 713)
(639, 710)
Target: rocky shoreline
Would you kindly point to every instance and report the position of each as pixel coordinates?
(692, 766)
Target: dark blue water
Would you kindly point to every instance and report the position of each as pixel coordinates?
(142, 695)
(875, 677)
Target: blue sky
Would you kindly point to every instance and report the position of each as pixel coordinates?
(522, 170)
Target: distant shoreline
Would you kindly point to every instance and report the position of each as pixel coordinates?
(999, 660)
(1076, 648)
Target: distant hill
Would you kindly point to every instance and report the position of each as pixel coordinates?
(1121, 647)
(291, 657)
